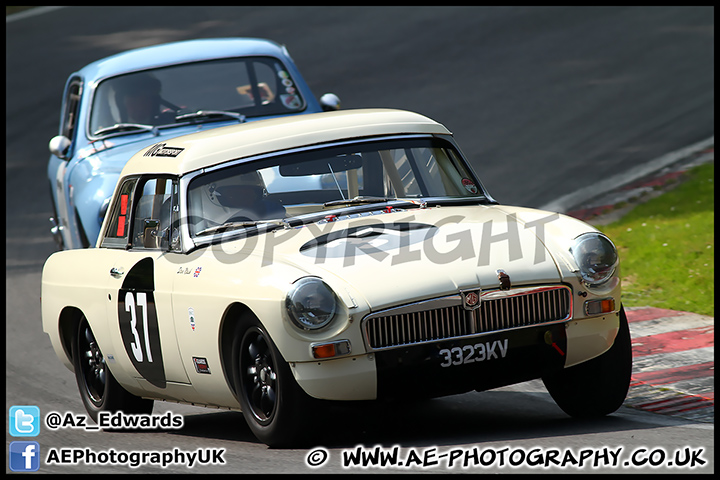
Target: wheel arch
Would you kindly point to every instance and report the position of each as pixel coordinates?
(235, 316)
(68, 323)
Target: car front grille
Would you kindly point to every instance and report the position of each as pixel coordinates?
(446, 317)
(404, 328)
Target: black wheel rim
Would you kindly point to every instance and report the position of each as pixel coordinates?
(258, 376)
(92, 365)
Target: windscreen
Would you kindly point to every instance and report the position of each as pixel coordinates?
(325, 179)
(251, 86)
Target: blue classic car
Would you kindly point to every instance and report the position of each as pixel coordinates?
(116, 106)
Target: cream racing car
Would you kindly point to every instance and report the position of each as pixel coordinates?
(339, 256)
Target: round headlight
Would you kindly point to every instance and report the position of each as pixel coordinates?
(596, 256)
(311, 304)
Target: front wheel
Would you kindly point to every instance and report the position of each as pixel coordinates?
(272, 402)
(599, 386)
(98, 388)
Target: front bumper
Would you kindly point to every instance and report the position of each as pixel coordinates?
(461, 364)
(471, 363)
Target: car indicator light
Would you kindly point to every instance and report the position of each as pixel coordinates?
(329, 350)
(594, 307)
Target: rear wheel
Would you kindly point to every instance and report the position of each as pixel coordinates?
(599, 386)
(99, 390)
(272, 402)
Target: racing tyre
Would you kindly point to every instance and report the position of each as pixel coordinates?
(599, 386)
(98, 388)
(273, 404)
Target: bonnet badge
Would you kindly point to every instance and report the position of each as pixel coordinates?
(471, 300)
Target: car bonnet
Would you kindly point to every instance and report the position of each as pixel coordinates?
(417, 254)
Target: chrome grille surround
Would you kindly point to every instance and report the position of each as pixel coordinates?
(444, 317)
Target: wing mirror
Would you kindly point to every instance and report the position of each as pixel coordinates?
(330, 102)
(59, 146)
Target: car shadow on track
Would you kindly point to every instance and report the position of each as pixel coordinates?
(492, 416)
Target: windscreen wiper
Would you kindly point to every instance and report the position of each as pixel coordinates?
(125, 127)
(482, 199)
(360, 200)
(208, 114)
(235, 225)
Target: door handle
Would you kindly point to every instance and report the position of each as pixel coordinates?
(116, 273)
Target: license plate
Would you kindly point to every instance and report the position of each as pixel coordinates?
(482, 362)
(472, 353)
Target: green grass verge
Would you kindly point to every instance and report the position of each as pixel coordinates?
(667, 247)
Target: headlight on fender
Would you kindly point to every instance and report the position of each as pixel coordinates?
(311, 304)
(596, 256)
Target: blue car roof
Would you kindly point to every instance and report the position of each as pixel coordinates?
(179, 52)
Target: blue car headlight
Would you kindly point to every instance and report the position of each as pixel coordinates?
(596, 256)
(311, 304)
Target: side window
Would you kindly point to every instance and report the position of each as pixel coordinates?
(152, 213)
(70, 108)
(116, 234)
